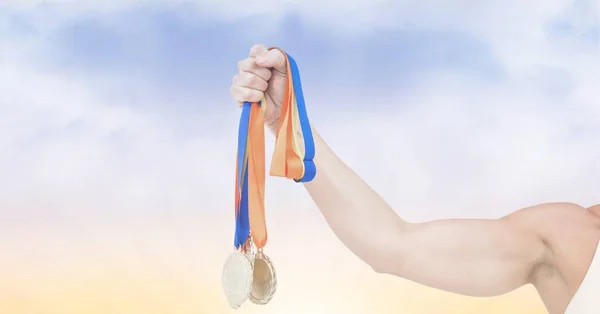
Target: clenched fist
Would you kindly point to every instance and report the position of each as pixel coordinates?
(262, 74)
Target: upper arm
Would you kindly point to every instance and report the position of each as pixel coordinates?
(467, 256)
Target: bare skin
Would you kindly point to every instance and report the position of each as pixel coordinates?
(550, 245)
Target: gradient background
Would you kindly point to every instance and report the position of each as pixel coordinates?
(117, 142)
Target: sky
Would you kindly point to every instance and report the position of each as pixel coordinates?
(118, 132)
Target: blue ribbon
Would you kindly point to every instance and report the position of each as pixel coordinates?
(242, 221)
(310, 170)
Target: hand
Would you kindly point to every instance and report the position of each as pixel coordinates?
(262, 74)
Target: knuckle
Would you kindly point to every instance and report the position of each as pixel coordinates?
(244, 80)
(252, 80)
(247, 94)
(267, 74)
(262, 85)
(256, 48)
(243, 65)
(258, 96)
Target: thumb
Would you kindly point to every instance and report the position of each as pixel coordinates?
(273, 58)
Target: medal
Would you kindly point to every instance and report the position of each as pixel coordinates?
(238, 271)
(237, 279)
(263, 286)
(248, 272)
(265, 279)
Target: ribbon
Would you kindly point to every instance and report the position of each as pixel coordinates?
(242, 223)
(292, 157)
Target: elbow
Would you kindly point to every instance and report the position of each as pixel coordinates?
(379, 268)
(381, 249)
(376, 259)
(385, 262)
(389, 256)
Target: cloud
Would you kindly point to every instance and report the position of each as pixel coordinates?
(443, 138)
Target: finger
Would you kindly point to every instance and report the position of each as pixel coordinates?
(257, 50)
(249, 65)
(245, 79)
(273, 58)
(242, 94)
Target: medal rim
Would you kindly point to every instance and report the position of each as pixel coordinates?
(273, 282)
(249, 271)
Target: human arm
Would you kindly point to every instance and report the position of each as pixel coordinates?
(476, 257)
(473, 257)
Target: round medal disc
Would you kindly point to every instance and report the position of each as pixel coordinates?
(265, 279)
(237, 279)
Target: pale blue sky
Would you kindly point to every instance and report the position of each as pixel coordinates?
(467, 104)
(158, 47)
(170, 51)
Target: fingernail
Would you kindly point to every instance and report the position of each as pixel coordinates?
(260, 59)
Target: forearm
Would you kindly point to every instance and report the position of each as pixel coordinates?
(358, 216)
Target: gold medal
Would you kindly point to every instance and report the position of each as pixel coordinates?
(264, 282)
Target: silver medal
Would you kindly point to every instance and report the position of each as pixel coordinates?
(237, 278)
